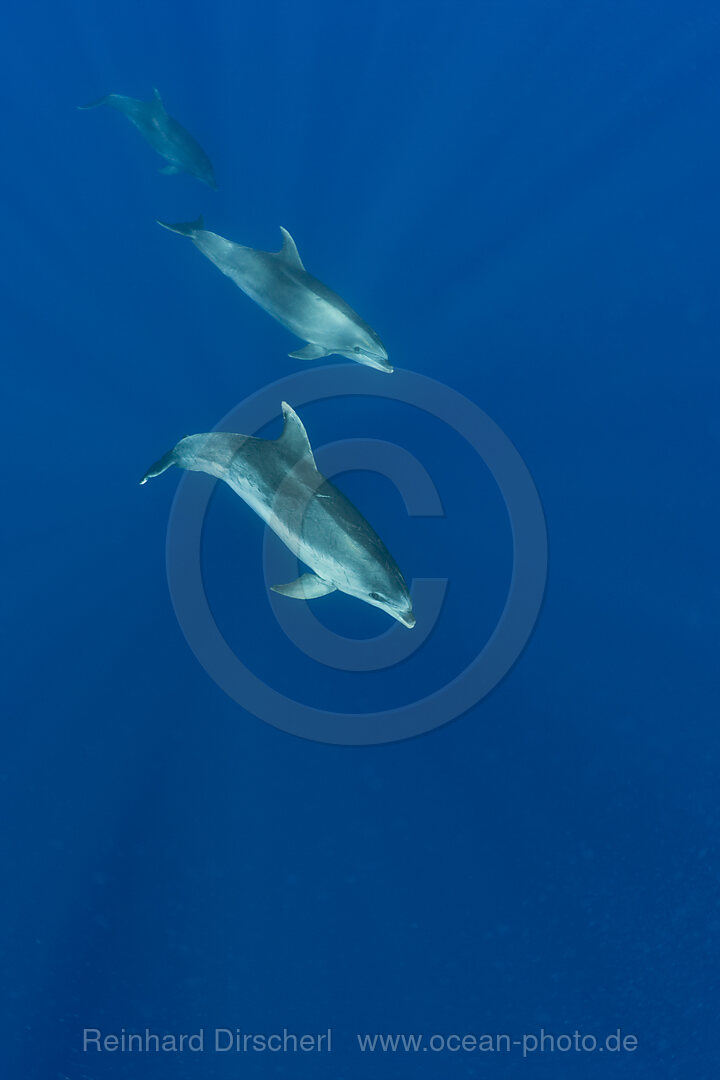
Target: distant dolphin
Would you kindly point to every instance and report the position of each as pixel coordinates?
(280, 284)
(279, 480)
(164, 134)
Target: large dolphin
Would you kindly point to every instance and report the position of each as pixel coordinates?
(164, 134)
(280, 284)
(278, 478)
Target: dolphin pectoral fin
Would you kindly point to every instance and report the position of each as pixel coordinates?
(289, 251)
(309, 352)
(185, 228)
(170, 170)
(106, 99)
(160, 466)
(306, 587)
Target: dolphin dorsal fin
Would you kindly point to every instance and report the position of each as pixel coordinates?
(158, 100)
(294, 437)
(289, 251)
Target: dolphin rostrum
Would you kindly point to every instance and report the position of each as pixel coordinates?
(164, 134)
(279, 480)
(280, 284)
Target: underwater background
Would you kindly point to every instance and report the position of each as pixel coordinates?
(522, 199)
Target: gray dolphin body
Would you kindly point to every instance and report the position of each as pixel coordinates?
(278, 478)
(281, 285)
(164, 134)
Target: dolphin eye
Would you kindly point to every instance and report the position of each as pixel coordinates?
(377, 596)
(356, 348)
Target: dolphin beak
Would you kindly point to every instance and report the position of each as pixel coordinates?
(379, 361)
(407, 619)
(381, 365)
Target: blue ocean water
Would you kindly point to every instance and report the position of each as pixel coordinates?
(522, 199)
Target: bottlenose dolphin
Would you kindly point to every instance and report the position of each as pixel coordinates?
(279, 480)
(164, 134)
(280, 284)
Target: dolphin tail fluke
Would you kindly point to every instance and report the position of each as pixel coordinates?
(160, 466)
(185, 228)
